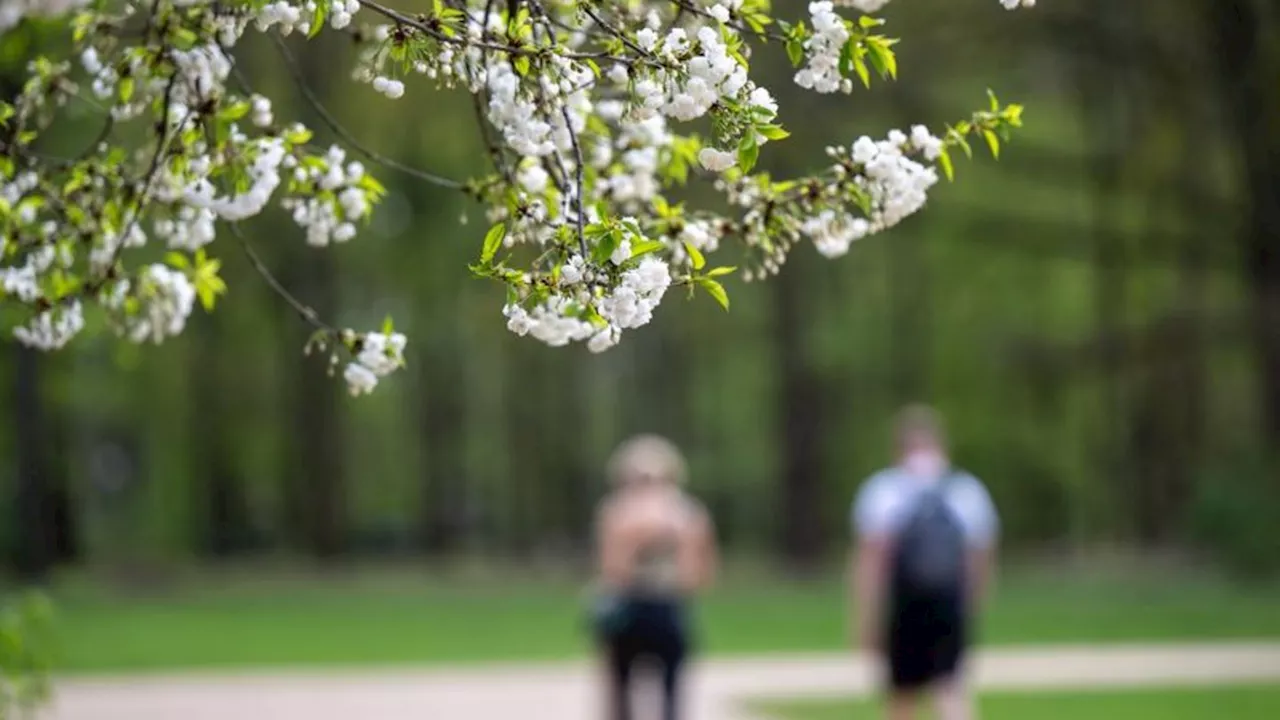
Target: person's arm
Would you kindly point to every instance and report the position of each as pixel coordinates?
(983, 545)
(868, 576)
(982, 570)
(868, 562)
(702, 558)
(612, 548)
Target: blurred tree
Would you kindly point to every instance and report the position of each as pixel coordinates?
(1248, 63)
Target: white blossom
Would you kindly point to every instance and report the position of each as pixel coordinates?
(377, 355)
(717, 160)
(580, 153)
(52, 329)
(822, 72)
(360, 379)
(871, 6)
(391, 88)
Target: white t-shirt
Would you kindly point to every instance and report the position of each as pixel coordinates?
(886, 499)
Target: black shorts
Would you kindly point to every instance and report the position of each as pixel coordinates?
(926, 639)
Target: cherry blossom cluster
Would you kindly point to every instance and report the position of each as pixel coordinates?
(593, 114)
(377, 355)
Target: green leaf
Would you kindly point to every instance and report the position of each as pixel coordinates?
(207, 297)
(605, 247)
(185, 38)
(748, 153)
(388, 327)
(234, 111)
(126, 89)
(944, 160)
(773, 132)
(372, 186)
(317, 19)
(795, 51)
(860, 67)
(177, 259)
(993, 142)
(695, 256)
(1013, 115)
(866, 22)
(717, 272)
(207, 283)
(995, 103)
(715, 290)
(298, 135)
(882, 58)
(492, 241)
(646, 247)
(521, 64)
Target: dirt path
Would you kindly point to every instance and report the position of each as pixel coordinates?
(566, 691)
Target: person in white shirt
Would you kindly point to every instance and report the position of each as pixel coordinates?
(925, 535)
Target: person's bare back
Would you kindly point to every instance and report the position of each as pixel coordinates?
(656, 549)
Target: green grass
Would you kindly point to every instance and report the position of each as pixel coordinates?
(1237, 703)
(402, 620)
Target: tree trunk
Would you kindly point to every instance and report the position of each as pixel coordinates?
(318, 441)
(314, 482)
(441, 409)
(800, 419)
(221, 508)
(33, 556)
(1103, 105)
(1247, 68)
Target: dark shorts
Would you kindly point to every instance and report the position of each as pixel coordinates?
(926, 640)
(639, 630)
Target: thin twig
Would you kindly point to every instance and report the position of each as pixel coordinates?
(107, 127)
(346, 135)
(577, 149)
(403, 19)
(586, 7)
(162, 147)
(307, 313)
(573, 138)
(512, 50)
(685, 6)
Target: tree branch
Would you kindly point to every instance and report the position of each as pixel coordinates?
(307, 313)
(346, 135)
(577, 150)
(162, 146)
(512, 50)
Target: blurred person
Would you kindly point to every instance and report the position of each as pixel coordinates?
(656, 549)
(925, 536)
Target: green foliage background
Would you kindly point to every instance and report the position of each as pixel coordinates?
(1080, 311)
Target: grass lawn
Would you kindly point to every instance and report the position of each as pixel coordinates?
(406, 619)
(1237, 703)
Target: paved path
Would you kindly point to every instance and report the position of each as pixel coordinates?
(567, 692)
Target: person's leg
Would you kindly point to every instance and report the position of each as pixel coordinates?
(671, 668)
(673, 648)
(902, 705)
(619, 660)
(952, 699)
(951, 696)
(905, 645)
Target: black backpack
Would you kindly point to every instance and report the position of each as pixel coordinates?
(930, 553)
